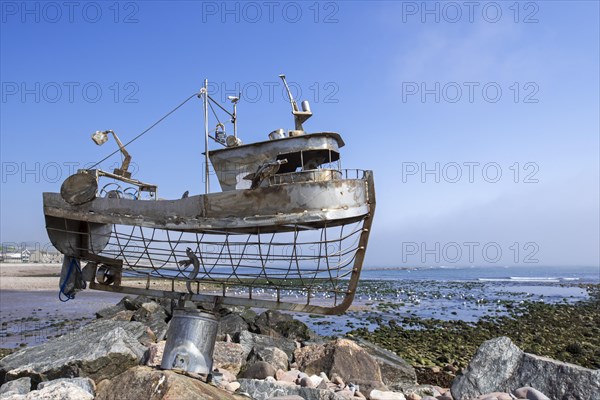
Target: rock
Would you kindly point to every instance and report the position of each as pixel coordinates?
(323, 385)
(292, 397)
(110, 312)
(133, 304)
(343, 357)
(231, 324)
(316, 380)
(306, 382)
(289, 376)
(495, 396)
(146, 383)
(395, 371)
(229, 357)
(367, 385)
(345, 394)
(227, 376)
(259, 370)
(413, 396)
(60, 389)
(276, 324)
(381, 395)
(18, 386)
(125, 315)
(277, 358)
(250, 340)
(336, 379)
(359, 395)
(232, 386)
(529, 393)
(155, 353)
(423, 390)
(263, 390)
(84, 383)
(500, 366)
(154, 317)
(102, 349)
(445, 396)
(324, 377)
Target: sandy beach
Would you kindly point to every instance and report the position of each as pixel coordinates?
(29, 276)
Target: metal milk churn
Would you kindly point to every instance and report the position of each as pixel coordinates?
(190, 341)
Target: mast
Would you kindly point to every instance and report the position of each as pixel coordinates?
(206, 172)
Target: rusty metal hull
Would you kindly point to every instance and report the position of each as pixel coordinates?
(269, 209)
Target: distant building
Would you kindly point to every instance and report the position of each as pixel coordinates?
(16, 257)
(45, 256)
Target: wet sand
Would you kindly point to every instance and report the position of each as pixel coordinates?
(30, 311)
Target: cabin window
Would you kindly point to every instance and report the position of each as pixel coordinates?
(309, 160)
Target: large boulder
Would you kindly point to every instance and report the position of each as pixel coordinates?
(102, 349)
(18, 386)
(396, 373)
(149, 384)
(61, 389)
(276, 324)
(154, 316)
(269, 389)
(251, 341)
(272, 355)
(342, 357)
(500, 366)
(228, 356)
(259, 370)
(231, 324)
(83, 383)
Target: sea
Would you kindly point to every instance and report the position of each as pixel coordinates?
(454, 293)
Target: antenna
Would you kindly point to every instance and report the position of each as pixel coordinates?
(234, 100)
(299, 116)
(204, 91)
(289, 92)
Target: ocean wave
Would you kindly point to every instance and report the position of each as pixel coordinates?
(528, 279)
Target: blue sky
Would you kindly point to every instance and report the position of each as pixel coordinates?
(504, 87)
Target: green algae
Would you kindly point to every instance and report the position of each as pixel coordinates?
(565, 332)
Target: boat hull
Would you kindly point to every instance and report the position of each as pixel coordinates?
(263, 210)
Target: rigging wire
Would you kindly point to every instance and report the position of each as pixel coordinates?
(144, 132)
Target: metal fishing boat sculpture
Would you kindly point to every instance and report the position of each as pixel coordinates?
(288, 231)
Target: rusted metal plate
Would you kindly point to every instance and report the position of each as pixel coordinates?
(79, 188)
(273, 207)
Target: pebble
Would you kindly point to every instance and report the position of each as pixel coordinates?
(227, 376)
(289, 376)
(316, 380)
(307, 382)
(335, 378)
(445, 396)
(451, 368)
(385, 395)
(346, 394)
(323, 376)
(413, 396)
(495, 396)
(530, 394)
(232, 386)
(323, 385)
